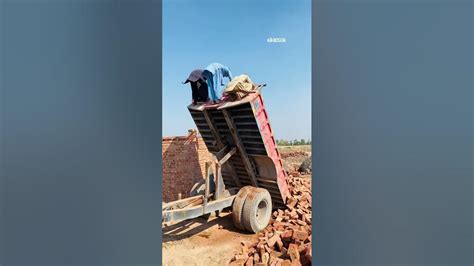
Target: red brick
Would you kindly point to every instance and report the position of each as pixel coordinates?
(249, 262)
(293, 252)
(183, 165)
(287, 235)
(239, 262)
(271, 242)
(256, 258)
(265, 258)
(300, 235)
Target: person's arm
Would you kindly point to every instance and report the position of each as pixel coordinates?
(225, 72)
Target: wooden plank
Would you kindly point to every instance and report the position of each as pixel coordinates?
(238, 143)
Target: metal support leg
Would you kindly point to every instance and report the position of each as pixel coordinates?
(219, 184)
(218, 181)
(206, 190)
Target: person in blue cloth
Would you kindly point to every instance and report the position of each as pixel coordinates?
(214, 75)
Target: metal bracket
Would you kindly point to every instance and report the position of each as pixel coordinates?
(227, 156)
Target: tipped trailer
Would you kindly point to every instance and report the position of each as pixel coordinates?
(248, 173)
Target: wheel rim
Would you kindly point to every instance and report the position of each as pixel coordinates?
(262, 210)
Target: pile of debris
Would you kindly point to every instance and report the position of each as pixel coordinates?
(306, 166)
(287, 238)
(293, 154)
(296, 163)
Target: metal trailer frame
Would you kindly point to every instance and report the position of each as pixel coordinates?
(196, 206)
(240, 137)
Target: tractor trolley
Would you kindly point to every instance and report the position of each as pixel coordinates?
(248, 173)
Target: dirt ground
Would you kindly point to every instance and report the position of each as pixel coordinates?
(293, 156)
(197, 242)
(305, 148)
(215, 241)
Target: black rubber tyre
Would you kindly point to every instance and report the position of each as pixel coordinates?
(257, 210)
(238, 205)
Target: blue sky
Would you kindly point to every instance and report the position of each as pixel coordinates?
(234, 33)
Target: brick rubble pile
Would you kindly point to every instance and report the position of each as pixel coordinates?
(286, 241)
(293, 154)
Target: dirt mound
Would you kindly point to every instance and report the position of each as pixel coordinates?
(292, 161)
(287, 239)
(306, 166)
(285, 155)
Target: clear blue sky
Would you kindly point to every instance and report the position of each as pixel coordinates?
(234, 33)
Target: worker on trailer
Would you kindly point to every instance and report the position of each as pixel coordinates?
(198, 86)
(214, 74)
(208, 84)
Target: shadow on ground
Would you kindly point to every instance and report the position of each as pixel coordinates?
(198, 226)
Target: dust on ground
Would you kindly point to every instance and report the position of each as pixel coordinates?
(202, 242)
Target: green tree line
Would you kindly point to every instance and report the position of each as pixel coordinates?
(283, 142)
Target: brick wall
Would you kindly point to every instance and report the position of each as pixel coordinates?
(183, 165)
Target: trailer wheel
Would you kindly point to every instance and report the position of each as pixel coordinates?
(257, 210)
(238, 205)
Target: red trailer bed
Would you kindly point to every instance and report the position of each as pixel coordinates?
(245, 125)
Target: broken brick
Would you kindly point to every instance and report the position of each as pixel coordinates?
(271, 242)
(256, 258)
(291, 203)
(239, 262)
(279, 244)
(287, 235)
(287, 239)
(293, 252)
(275, 254)
(265, 258)
(300, 222)
(300, 235)
(249, 262)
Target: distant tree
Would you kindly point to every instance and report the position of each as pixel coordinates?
(295, 142)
